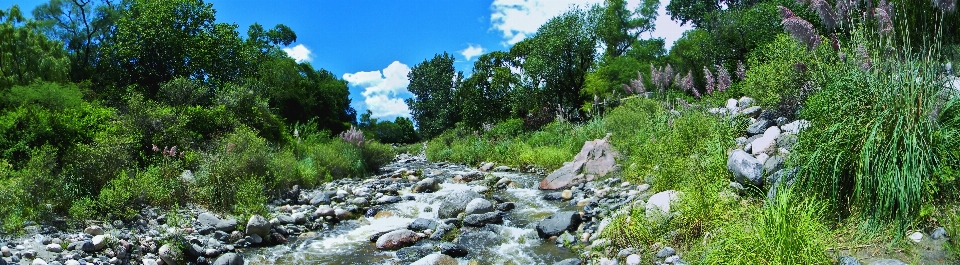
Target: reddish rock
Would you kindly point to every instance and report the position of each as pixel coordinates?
(596, 159)
(397, 239)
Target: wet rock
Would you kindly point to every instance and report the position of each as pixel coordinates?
(848, 260)
(426, 185)
(320, 198)
(421, 224)
(341, 214)
(557, 223)
(666, 252)
(456, 202)
(570, 261)
(170, 255)
(227, 225)
(746, 169)
(553, 196)
(478, 206)
(55, 248)
(359, 201)
(485, 167)
(478, 220)
(502, 169)
(453, 250)
(596, 158)
(440, 231)
(389, 199)
(397, 239)
(506, 206)
(324, 211)
(411, 254)
(436, 259)
(285, 219)
(258, 225)
(229, 259)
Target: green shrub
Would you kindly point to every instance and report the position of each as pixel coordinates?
(787, 230)
(240, 156)
(376, 155)
(505, 130)
(773, 75)
(121, 197)
(337, 158)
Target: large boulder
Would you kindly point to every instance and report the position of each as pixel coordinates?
(229, 259)
(746, 169)
(453, 249)
(478, 205)
(426, 185)
(659, 203)
(421, 224)
(557, 223)
(258, 225)
(170, 255)
(208, 219)
(227, 225)
(759, 127)
(397, 239)
(767, 143)
(596, 159)
(479, 220)
(456, 202)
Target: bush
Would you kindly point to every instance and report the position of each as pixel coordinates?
(337, 159)
(376, 155)
(239, 157)
(774, 75)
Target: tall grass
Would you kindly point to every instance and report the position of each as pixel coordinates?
(879, 136)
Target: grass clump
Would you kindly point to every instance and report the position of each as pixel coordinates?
(787, 230)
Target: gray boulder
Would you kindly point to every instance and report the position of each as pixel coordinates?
(478, 205)
(436, 259)
(421, 224)
(452, 249)
(170, 255)
(596, 159)
(557, 223)
(746, 169)
(320, 198)
(570, 261)
(229, 259)
(389, 199)
(426, 185)
(208, 219)
(479, 220)
(397, 239)
(759, 127)
(848, 260)
(773, 164)
(258, 225)
(659, 203)
(787, 140)
(455, 203)
(781, 178)
(751, 111)
(227, 225)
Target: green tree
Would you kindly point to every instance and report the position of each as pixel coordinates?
(83, 26)
(619, 28)
(484, 96)
(26, 54)
(433, 84)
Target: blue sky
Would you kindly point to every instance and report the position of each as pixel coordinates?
(373, 43)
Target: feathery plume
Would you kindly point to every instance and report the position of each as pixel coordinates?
(155, 148)
(867, 63)
(637, 84)
(802, 30)
(710, 84)
(786, 12)
(723, 78)
(666, 76)
(825, 11)
(884, 23)
(834, 42)
(352, 136)
(173, 151)
(687, 84)
(741, 71)
(166, 150)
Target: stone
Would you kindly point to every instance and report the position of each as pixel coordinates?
(745, 102)
(916, 237)
(787, 141)
(661, 202)
(584, 202)
(453, 250)
(94, 230)
(773, 164)
(320, 198)
(421, 224)
(570, 261)
(341, 214)
(254, 239)
(169, 255)
(606, 261)
(888, 262)
(938, 233)
(506, 206)
(566, 195)
(5, 251)
(227, 225)
(411, 254)
(666, 252)
(796, 126)
(751, 111)
(553, 196)
(745, 168)
(643, 187)
(485, 167)
(426, 185)
(38, 262)
(596, 158)
(848, 260)
(633, 259)
(671, 259)
(759, 127)
(389, 199)
(767, 143)
(258, 225)
(732, 105)
(324, 211)
(479, 220)
(75, 262)
(436, 259)
(55, 248)
(397, 239)
(187, 176)
(229, 259)
(208, 219)
(502, 169)
(299, 218)
(478, 206)
(100, 242)
(455, 203)
(557, 223)
(285, 219)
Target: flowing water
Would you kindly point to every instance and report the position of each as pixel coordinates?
(513, 242)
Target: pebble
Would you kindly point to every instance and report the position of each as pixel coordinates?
(633, 259)
(55, 248)
(666, 252)
(583, 202)
(916, 237)
(566, 194)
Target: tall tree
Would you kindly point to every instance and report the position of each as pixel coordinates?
(618, 28)
(82, 25)
(433, 84)
(26, 54)
(484, 96)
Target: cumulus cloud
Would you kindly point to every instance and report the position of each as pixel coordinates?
(383, 89)
(299, 53)
(519, 19)
(472, 51)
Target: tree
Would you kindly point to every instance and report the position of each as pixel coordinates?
(484, 96)
(83, 26)
(618, 28)
(560, 55)
(433, 84)
(26, 54)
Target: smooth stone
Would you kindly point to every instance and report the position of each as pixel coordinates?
(397, 239)
(258, 225)
(746, 169)
(94, 230)
(570, 261)
(208, 219)
(478, 206)
(661, 202)
(566, 194)
(453, 250)
(666, 252)
(557, 223)
(421, 224)
(916, 237)
(229, 259)
(479, 220)
(938, 233)
(436, 259)
(55, 248)
(848, 260)
(100, 242)
(888, 262)
(169, 256)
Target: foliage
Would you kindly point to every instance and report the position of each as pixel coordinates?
(400, 130)
(773, 76)
(618, 28)
(433, 84)
(26, 54)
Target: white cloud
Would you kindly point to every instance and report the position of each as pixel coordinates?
(472, 51)
(518, 19)
(383, 89)
(299, 53)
